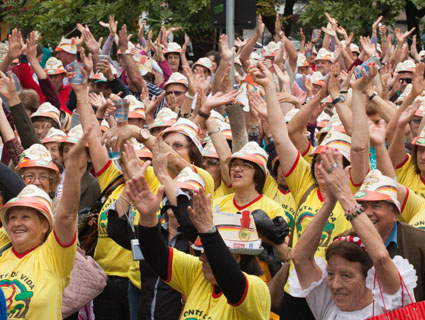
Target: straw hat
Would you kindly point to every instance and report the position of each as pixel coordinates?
(54, 135)
(271, 49)
(317, 78)
(173, 47)
(187, 128)
(36, 156)
(290, 115)
(189, 179)
(136, 107)
(405, 66)
(335, 139)
(377, 187)
(204, 62)
(177, 78)
(209, 151)
(165, 118)
(54, 66)
(254, 153)
(302, 61)
(324, 54)
(67, 45)
(31, 197)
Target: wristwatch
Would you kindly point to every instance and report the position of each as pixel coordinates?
(339, 99)
(126, 52)
(144, 134)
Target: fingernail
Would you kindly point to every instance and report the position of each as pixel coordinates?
(335, 149)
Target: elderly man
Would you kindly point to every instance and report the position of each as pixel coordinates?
(323, 61)
(66, 52)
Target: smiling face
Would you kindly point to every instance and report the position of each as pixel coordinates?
(26, 228)
(347, 284)
(382, 214)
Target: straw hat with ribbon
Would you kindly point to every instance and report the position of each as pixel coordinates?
(203, 62)
(67, 45)
(189, 180)
(36, 156)
(254, 153)
(54, 66)
(177, 78)
(54, 135)
(187, 128)
(47, 110)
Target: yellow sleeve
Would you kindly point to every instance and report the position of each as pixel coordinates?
(299, 178)
(412, 208)
(403, 169)
(183, 271)
(107, 174)
(270, 187)
(256, 302)
(307, 155)
(209, 181)
(152, 180)
(4, 238)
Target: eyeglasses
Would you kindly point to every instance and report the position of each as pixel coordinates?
(212, 162)
(30, 177)
(178, 145)
(407, 80)
(242, 165)
(42, 127)
(176, 93)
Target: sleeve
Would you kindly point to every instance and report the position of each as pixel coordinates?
(4, 239)
(412, 206)
(165, 67)
(107, 46)
(270, 187)
(407, 274)
(60, 256)
(118, 229)
(50, 92)
(10, 183)
(15, 149)
(257, 301)
(299, 178)
(107, 174)
(24, 74)
(274, 209)
(24, 126)
(402, 169)
(318, 295)
(72, 101)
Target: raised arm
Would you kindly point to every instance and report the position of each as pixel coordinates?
(249, 47)
(67, 211)
(225, 56)
(285, 148)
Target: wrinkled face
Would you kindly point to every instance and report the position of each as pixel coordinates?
(83, 160)
(347, 284)
(176, 91)
(26, 228)
(382, 215)
(180, 144)
(41, 177)
(405, 79)
(53, 148)
(323, 66)
(173, 60)
(57, 80)
(212, 165)
(241, 173)
(420, 158)
(41, 126)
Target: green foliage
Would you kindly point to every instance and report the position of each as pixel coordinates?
(266, 8)
(55, 18)
(355, 16)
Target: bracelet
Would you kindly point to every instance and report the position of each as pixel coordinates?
(187, 95)
(99, 119)
(353, 212)
(372, 96)
(253, 126)
(280, 33)
(203, 114)
(186, 115)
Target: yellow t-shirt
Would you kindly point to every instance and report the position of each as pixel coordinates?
(186, 277)
(114, 259)
(33, 283)
(299, 180)
(287, 201)
(223, 190)
(413, 210)
(228, 204)
(406, 174)
(4, 238)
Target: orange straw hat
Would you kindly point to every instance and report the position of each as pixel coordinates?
(187, 128)
(54, 66)
(302, 61)
(209, 151)
(47, 110)
(254, 153)
(165, 118)
(141, 150)
(335, 139)
(31, 197)
(377, 187)
(136, 107)
(36, 156)
(67, 45)
(74, 135)
(189, 180)
(54, 135)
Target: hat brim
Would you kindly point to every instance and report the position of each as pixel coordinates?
(180, 130)
(319, 149)
(135, 115)
(37, 164)
(58, 139)
(27, 202)
(143, 154)
(211, 155)
(46, 115)
(375, 196)
(419, 141)
(250, 158)
(187, 186)
(161, 124)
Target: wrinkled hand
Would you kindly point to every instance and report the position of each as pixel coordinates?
(201, 214)
(120, 134)
(105, 67)
(144, 200)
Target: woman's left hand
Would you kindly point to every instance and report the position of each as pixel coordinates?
(338, 185)
(201, 214)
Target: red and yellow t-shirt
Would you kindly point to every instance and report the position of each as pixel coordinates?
(185, 275)
(33, 283)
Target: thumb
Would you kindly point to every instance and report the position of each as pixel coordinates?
(100, 40)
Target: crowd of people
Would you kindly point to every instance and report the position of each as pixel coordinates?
(294, 190)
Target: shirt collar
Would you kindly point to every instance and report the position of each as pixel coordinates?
(393, 235)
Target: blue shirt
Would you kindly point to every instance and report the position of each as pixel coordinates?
(393, 236)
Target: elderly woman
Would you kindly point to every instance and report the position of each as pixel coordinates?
(214, 285)
(37, 268)
(359, 268)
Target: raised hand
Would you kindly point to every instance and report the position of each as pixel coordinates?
(260, 74)
(366, 80)
(7, 86)
(132, 165)
(260, 26)
(86, 60)
(401, 38)
(377, 132)
(201, 214)
(418, 81)
(407, 115)
(31, 47)
(144, 200)
(160, 160)
(257, 103)
(122, 39)
(225, 52)
(90, 41)
(367, 46)
(15, 44)
(332, 21)
(111, 25)
(376, 23)
(220, 99)
(141, 33)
